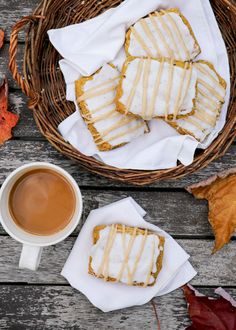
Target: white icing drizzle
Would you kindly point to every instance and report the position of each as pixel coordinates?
(107, 250)
(91, 95)
(150, 35)
(118, 135)
(151, 265)
(135, 83)
(124, 246)
(127, 253)
(103, 106)
(209, 97)
(111, 126)
(209, 74)
(211, 89)
(160, 35)
(111, 113)
(156, 88)
(191, 120)
(141, 41)
(145, 85)
(169, 32)
(131, 275)
(118, 124)
(162, 88)
(179, 36)
(163, 34)
(169, 87)
(140, 248)
(203, 116)
(178, 98)
(210, 106)
(190, 71)
(105, 83)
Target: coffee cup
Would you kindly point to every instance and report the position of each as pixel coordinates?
(34, 243)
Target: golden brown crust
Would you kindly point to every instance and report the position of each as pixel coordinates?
(171, 10)
(180, 130)
(129, 230)
(186, 22)
(127, 42)
(222, 82)
(211, 66)
(119, 91)
(85, 113)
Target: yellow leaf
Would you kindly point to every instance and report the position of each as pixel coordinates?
(220, 191)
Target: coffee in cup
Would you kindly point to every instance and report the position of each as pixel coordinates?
(40, 205)
(42, 202)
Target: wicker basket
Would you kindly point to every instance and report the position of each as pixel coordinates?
(43, 83)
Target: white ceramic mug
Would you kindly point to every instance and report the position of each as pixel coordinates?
(33, 244)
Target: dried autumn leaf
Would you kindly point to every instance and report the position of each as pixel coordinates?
(210, 313)
(1, 38)
(220, 191)
(7, 119)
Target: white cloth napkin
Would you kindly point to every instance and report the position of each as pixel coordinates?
(176, 269)
(85, 47)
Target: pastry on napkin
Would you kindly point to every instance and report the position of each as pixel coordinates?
(211, 89)
(86, 46)
(176, 269)
(152, 88)
(129, 255)
(95, 96)
(165, 33)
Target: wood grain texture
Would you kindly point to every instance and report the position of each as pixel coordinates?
(46, 306)
(26, 126)
(11, 11)
(16, 153)
(49, 308)
(4, 59)
(218, 269)
(178, 213)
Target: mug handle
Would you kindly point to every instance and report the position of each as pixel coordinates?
(30, 257)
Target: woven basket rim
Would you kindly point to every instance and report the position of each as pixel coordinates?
(37, 89)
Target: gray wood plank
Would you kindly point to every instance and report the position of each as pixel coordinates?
(62, 307)
(49, 308)
(4, 59)
(178, 213)
(15, 153)
(216, 270)
(11, 11)
(26, 126)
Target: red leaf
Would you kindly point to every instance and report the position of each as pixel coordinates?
(7, 119)
(210, 313)
(1, 38)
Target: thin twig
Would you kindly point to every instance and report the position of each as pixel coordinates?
(156, 315)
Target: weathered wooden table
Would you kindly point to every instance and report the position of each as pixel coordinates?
(43, 299)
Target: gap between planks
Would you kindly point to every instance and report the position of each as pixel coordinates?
(65, 285)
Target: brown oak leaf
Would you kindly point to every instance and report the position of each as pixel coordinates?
(1, 37)
(7, 119)
(220, 191)
(208, 313)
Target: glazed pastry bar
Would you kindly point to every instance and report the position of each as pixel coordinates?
(211, 89)
(95, 96)
(156, 88)
(126, 254)
(165, 33)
